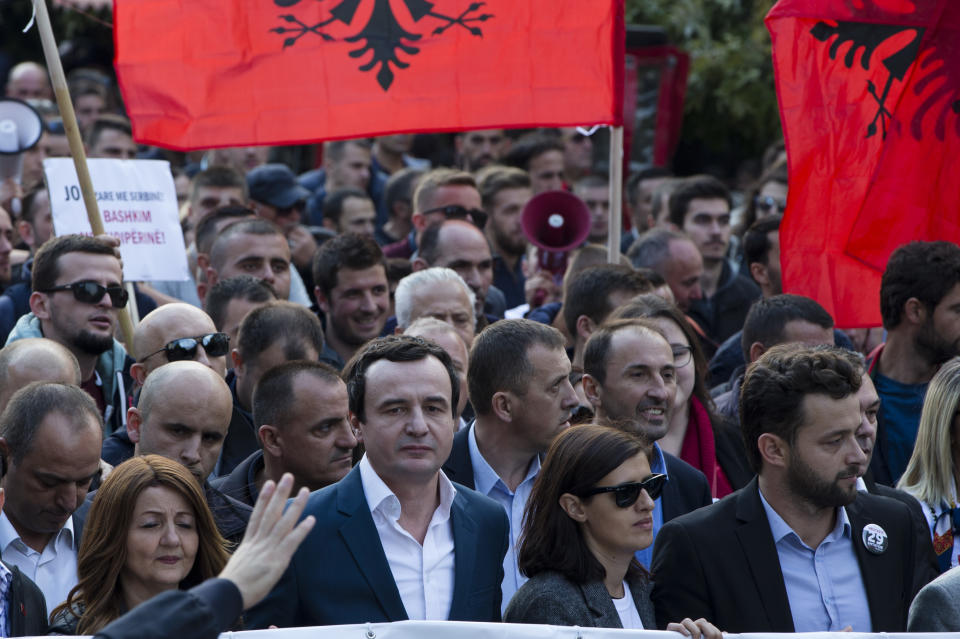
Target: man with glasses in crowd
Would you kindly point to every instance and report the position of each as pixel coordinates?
(77, 294)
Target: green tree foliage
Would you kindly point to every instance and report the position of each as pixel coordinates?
(731, 110)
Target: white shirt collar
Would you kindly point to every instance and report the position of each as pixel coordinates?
(9, 534)
(380, 497)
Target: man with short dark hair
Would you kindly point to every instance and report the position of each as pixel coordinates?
(594, 190)
(631, 381)
(920, 307)
(77, 294)
(477, 149)
(270, 335)
(700, 207)
(350, 276)
(110, 136)
(50, 437)
(542, 157)
(799, 549)
(213, 188)
(504, 192)
(346, 164)
(398, 206)
(252, 247)
(230, 299)
(396, 538)
(183, 415)
(349, 211)
(519, 381)
(780, 319)
(446, 337)
(640, 189)
(594, 293)
(300, 413)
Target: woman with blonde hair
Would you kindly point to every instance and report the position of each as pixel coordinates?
(149, 530)
(933, 472)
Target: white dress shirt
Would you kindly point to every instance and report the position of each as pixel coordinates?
(54, 570)
(424, 574)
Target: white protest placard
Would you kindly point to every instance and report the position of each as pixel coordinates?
(138, 205)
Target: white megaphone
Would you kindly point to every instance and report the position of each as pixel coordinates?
(20, 130)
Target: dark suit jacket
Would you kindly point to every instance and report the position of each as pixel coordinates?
(28, 608)
(202, 612)
(687, 489)
(550, 598)
(721, 563)
(340, 574)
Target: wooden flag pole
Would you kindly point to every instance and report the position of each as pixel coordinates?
(59, 81)
(616, 195)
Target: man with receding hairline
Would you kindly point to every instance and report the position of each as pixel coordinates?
(252, 247)
(50, 437)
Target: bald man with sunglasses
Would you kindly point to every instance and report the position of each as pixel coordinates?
(77, 295)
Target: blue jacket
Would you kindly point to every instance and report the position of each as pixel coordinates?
(340, 574)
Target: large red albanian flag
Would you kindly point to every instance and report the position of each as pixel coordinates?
(869, 96)
(207, 73)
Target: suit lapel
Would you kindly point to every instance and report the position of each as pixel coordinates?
(359, 534)
(760, 551)
(465, 541)
(601, 605)
(877, 572)
(458, 466)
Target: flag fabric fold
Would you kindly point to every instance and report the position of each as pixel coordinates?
(209, 73)
(869, 94)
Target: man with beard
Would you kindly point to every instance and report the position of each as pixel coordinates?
(77, 293)
(631, 381)
(504, 192)
(920, 307)
(799, 549)
(477, 149)
(350, 274)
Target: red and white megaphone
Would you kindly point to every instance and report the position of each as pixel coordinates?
(20, 130)
(556, 222)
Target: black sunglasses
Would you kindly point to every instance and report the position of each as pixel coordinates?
(91, 292)
(626, 495)
(185, 348)
(457, 212)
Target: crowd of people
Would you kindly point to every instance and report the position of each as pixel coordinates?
(474, 432)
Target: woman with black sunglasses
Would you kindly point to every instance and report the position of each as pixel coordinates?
(590, 510)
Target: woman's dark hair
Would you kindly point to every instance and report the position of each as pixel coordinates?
(652, 306)
(578, 459)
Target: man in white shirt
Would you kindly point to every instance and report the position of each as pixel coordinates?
(519, 381)
(50, 437)
(395, 539)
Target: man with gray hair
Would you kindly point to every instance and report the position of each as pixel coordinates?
(50, 438)
(440, 293)
(676, 258)
(35, 359)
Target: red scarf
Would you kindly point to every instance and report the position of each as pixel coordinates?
(699, 450)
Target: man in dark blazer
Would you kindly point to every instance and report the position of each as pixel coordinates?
(630, 379)
(374, 523)
(798, 549)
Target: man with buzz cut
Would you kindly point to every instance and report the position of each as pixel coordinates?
(798, 549)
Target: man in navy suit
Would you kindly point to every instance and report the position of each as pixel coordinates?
(395, 539)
